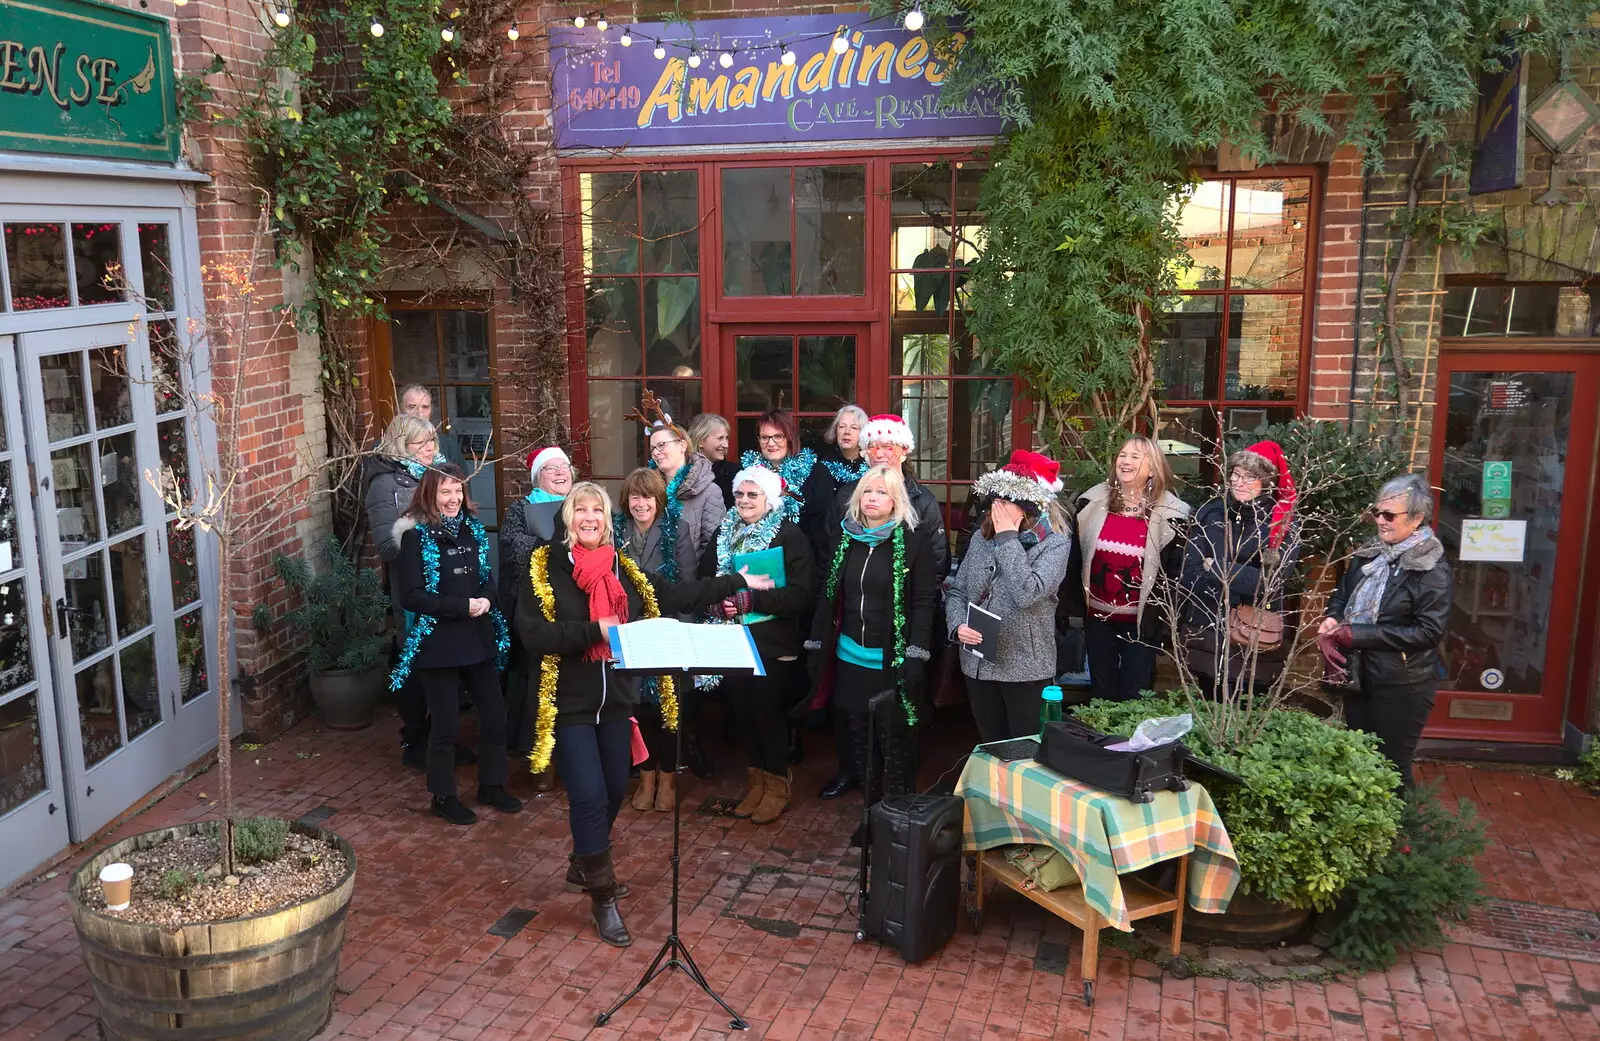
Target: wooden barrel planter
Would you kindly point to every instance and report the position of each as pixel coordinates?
(269, 976)
(1249, 921)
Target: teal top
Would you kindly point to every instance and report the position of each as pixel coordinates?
(864, 657)
(539, 495)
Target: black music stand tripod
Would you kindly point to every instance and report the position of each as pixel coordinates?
(674, 953)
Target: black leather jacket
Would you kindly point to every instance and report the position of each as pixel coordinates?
(1402, 647)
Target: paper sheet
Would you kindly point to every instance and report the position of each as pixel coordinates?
(668, 644)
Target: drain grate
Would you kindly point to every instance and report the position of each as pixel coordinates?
(1538, 929)
(512, 922)
(317, 816)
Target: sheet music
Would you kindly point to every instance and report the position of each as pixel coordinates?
(668, 644)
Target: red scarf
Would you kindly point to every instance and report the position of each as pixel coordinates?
(595, 571)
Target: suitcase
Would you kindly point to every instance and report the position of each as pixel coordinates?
(1075, 750)
(915, 869)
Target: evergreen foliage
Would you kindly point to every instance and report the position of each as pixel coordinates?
(341, 610)
(260, 839)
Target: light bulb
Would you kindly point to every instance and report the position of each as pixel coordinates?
(914, 19)
(788, 56)
(660, 52)
(601, 23)
(179, 3)
(694, 59)
(840, 45)
(577, 22)
(280, 18)
(726, 61)
(513, 32)
(625, 39)
(447, 34)
(377, 28)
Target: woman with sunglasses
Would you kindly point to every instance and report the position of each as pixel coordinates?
(1243, 549)
(1386, 620)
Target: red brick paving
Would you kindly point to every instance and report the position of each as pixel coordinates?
(765, 916)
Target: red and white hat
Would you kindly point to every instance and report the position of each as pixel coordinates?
(543, 457)
(887, 428)
(1028, 477)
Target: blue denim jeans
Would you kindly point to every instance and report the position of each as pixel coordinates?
(593, 760)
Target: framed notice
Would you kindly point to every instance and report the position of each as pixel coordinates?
(1493, 539)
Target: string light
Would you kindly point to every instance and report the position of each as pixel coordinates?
(726, 61)
(694, 59)
(513, 32)
(840, 44)
(788, 55)
(179, 3)
(601, 24)
(660, 51)
(577, 21)
(377, 27)
(914, 19)
(280, 18)
(447, 34)
(626, 39)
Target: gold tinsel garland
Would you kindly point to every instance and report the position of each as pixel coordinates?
(544, 739)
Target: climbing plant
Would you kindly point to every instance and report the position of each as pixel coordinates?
(1114, 104)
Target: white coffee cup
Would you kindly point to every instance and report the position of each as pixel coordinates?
(116, 883)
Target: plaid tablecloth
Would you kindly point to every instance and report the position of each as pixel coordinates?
(1101, 835)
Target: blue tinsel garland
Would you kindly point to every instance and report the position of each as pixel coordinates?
(795, 470)
(846, 473)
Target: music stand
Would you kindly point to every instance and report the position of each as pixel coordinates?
(674, 953)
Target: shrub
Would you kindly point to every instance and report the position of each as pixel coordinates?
(1587, 772)
(1428, 874)
(259, 839)
(176, 882)
(341, 613)
(1317, 809)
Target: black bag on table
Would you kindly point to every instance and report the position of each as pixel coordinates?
(1078, 751)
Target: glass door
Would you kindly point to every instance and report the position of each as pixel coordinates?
(810, 370)
(91, 418)
(33, 803)
(1514, 437)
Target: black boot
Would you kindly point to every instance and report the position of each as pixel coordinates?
(453, 810)
(574, 882)
(414, 757)
(464, 755)
(496, 796)
(844, 781)
(694, 757)
(797, 748)
(599, 879)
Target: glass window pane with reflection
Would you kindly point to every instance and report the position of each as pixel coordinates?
(1188, 349)
(1500, 310)
(155, 258)
(671, 233)
(830, 230)
(1202, 215)
(756, 210)
(36, 263)
(616, 445)
(672, 326)
(1268, 247)
(1264, 347)
(97, 263)
(21, 754)
(614, 327)
(610, 204)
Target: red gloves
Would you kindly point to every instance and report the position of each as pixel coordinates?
(737, 604)
(1332, 645)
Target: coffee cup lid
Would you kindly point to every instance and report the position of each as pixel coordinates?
(116, 872)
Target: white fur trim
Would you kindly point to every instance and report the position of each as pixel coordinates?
(764, 479)
(892, 430)
(553, 454)
(404, 523)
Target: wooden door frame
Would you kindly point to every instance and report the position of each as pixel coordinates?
(1576, 658)
(728, 385)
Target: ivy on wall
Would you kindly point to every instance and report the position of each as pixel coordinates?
(1114, 104)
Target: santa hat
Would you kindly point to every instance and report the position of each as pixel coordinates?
(543, 457)
(1271, 453)
(1028, 477)
(767, 480)
(887, 428)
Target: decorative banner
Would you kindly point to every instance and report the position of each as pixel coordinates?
(86, 79)
(1501, 541)
(1497, 139)
(888, 83)
(1496, 488)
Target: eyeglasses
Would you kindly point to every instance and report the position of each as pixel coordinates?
(748, 495)
(1242, 477)
(772, 439)
(1386, 515)
(660, 446)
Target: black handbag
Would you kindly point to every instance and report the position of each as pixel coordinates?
(1078, 751)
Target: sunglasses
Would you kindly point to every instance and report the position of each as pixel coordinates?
(1386, 515)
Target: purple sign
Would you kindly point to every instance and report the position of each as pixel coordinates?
(757, 80)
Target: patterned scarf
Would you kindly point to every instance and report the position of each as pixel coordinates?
(1366, 601)
(452, 525)
(595, 571)
(414, 468)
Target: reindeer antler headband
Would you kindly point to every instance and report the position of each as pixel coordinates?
(650, 405)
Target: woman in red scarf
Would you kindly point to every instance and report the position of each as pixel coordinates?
(578, 588)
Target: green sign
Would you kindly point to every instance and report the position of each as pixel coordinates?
(85, 78)
(1496, 488)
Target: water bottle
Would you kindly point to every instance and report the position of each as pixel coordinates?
(1049, 707)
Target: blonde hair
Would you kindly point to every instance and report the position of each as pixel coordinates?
(703, 426)
(586, 491)
(894, 482)
(1161, 478)
(402, 430)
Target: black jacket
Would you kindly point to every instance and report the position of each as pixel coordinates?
(722, 471)
(590, 691)
(791, 606)
(863, 605)
(1227, 563)
(457, 639)
(930, 522)
(1402, 647)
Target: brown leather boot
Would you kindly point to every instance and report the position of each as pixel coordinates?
(544, 782)
(752, 798)
(574, 883)
(644, 796)
(774, 799)
(600, 881)
(666, 791)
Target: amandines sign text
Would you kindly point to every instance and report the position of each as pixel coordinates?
(886, 82)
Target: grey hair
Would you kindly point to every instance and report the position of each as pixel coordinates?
(832, 434)
(410, 389)
(402, 430)
(1418, 496)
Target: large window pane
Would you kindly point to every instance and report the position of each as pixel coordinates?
(1268, 248)
(120, 483)
(130, 591)
(183, 565)
(88, 617)
(672, 326)
(827, 372)
(64, 412)
(141, 706)
(610, 222)
(1188, 348)
(168, 360)
(1264, 347)
(925, 406)
(1203, 226)
(466, 345)
(16, 656)
(21, 756)
(615, 444)
(192, 678)
(36, 261)
(414, 344)
(830, 230)
(97, 711)
(109, 387)
(671, 220)
(1501, 310)
(613, 327)
(97, 260)
(1188, 436)
(756, 210)
(764, 368)
(155, 257)
(77, 518)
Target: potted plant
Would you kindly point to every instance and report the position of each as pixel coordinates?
(341, 614)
